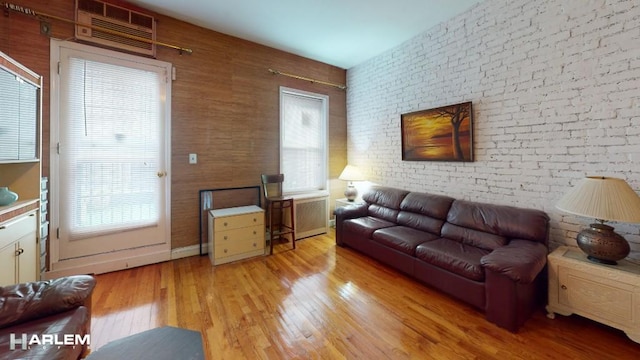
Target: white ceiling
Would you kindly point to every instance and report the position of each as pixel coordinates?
(343, 33)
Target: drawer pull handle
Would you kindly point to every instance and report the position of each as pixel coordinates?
(225, 251)
(254, 244)
(254, 219)
(225, 237)
(563, 287)
(254, 232)
(225, 224)
(19, 251)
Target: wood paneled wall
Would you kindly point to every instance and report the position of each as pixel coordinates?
(225, 104)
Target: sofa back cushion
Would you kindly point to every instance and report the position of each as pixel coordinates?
(426, 212)
(384, 202)
(479, 239)
(507, 222)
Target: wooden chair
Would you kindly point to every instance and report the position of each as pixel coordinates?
(276, 205)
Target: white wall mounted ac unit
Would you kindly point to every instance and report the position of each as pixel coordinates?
(311, 214)
(124, 27)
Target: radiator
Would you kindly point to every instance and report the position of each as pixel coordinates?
(311, 214)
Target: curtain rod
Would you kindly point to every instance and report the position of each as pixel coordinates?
(42, 16)
(339, 86)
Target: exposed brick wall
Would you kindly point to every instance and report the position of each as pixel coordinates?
(555, 87)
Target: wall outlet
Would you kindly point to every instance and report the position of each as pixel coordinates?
(193, 158)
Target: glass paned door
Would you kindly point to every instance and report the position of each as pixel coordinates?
(112, 161)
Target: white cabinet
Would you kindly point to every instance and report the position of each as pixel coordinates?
(20, 170)
(18, 254)
(235, 233)
(609, 294)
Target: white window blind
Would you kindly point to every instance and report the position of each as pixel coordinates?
(109, 156)
(18, 113)
(303, 141)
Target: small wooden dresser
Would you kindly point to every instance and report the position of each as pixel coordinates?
(236, 233)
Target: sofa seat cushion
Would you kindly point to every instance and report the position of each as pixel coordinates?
(402, 238)
(453, 256)
(69, 322)
(365, 226)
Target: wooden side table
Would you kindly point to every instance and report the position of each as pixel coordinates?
(609, 294)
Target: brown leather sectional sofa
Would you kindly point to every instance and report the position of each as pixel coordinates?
(490, 256)
(53, 307)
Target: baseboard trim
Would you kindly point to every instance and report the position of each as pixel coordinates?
(101, 264)
(65, 269)
(186, 251)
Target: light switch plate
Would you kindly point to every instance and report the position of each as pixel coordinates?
(193, 158)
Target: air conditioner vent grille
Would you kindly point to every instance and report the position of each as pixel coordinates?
(96, 16)
(141, 20)
(117, 13)
(90, 6)
(121, 39)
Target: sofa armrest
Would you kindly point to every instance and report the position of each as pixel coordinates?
(350, 211)
(347, 212)
(32, 300)
(520, 260)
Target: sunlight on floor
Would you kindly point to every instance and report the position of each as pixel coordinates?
(124, 323)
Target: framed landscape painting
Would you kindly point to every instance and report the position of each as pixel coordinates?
(440, 134)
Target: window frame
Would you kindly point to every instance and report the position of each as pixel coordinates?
(324, 116)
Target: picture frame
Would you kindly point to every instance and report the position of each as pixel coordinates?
(440, 134)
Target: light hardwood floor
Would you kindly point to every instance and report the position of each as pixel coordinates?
(321, 301)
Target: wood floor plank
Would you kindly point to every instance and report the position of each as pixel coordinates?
(321, 301)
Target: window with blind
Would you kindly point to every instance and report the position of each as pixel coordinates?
(303, 140)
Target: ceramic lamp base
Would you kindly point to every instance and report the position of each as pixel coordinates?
(351, 193)
(602, 244)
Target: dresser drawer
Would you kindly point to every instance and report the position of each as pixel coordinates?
(238, 234)
(16, 228)
(238, 221)
(238, 247)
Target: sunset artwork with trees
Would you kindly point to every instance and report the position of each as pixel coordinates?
(440, 134)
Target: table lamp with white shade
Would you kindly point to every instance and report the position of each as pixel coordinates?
(604, 199)
(351, 173)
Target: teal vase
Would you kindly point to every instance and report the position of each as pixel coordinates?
(7, 197)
